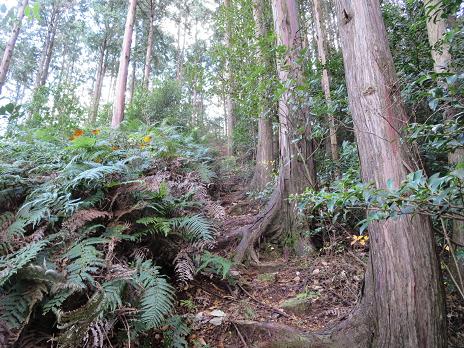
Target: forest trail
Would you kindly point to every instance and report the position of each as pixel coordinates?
(308, 293)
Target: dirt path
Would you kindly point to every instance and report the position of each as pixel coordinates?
(307, 293)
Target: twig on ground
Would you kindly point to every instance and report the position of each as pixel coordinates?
(241, 336)
(264, 304)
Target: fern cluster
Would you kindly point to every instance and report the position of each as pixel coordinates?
(83, 225)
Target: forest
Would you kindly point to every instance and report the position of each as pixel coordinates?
(232, 173)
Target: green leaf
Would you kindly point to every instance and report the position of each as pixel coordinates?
(27, 11)
(36, 10)
(433, 104)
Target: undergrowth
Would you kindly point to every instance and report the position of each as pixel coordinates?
(90, 226)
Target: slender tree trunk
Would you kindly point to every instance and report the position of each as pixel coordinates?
(297, 169)
(8, 53)
(47, 51)
(99, 81)
(151, 30)
(404, 284)
(48, 57)
(133, 80)
(119, 102)
(230, 107)
(181, 35)
(322, 52)
(264, 155)
(436, 29)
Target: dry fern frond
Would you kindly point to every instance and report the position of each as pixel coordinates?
(81, 217)
(153, 183)
(184, 267)
(215, 211)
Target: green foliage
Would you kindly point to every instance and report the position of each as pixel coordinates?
(74, 217)
(163, 103)
(175, 336)
(346, 200)
(215, 264)
(157, 298)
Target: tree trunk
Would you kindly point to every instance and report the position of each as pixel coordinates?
(181, 49)
(404, 285)
(322, 52)
(296, 168)
(8, 53)
(230, 107)
(99, 81)
(133, 80)
(151, 30)
(436, 29)
(47, 51)
(264, 155)
(120, 99)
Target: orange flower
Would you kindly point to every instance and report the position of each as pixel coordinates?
(78, 133)
(95, 132)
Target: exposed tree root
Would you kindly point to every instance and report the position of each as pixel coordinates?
(355, 331)
(261, 225)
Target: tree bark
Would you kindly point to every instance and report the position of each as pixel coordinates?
(148, 55)
(322, 53)
(404, 284)
(119, 102)
(8, 53)
(230, 107)
(296, 168)
(436, 29)
(264, 155)
(47, 52)
(99, 81)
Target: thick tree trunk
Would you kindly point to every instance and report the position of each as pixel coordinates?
(436, 29)
(322, 52)
(120, 99)
(99, 82)
(296, 170)
(8, 53)
(148, 55)
(230, 106)
(264, 155)
(404, 285)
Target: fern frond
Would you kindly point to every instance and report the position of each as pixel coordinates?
(6, 219)
(17, 305)
(158, 224)
(195, 227)
(74, 325)
(83, 216)
(85, 260)
(184, 267)
(176, 335)
(215, 263)
(157, 298)
(55, 302)
(12, 263)
(112, 291)
(97, 173)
